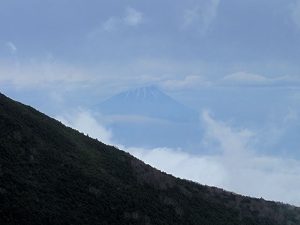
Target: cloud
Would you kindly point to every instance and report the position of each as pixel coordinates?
(203, 169)
(42, 74)
(133, 17)
(86, 123)
(166, 74)
(295, 13)
(52, 74)
(250, 79)
(12, 47)
(136, 119)
(201, 16)
(237, 167)
(257, 176)
(231, 142)
(246, 77)
(110, 24)
(192, 81)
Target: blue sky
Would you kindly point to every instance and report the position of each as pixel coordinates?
(235, 62)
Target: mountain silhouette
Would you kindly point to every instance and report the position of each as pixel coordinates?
(52, 174)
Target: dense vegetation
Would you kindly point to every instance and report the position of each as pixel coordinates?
(51, 174)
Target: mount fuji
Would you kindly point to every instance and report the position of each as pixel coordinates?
(147, 117)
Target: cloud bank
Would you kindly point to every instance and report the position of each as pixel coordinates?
(236, 167)
(42, 74)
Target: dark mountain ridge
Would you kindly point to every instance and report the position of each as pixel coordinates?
(52, 174)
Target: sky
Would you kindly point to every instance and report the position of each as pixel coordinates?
(235, 62)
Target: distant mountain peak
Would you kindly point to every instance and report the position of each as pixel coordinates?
(147, 89)
(145, 92)
(147, 117)
(147, 101)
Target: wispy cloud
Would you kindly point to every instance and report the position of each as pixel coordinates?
(42, 74)
(251, 79)
(110, 24)
(133, 17)
(233, 142)
(12, 47)
(188, 82)
(201, 16)
(169, 75)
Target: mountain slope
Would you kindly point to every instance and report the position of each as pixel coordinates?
(51, 174)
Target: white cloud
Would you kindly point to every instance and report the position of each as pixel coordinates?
(52, 74)
(86, 123)
(203, 169)
(236, 168)
(268, 177)
(136, 119)
(12, 47)
(245, 77)
(231, 142)
(133, 17)
(110, 24)
(42, 74)
(192, 81)
(250, 79)
(201, 16)
(295, 12)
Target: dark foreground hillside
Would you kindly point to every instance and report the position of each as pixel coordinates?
(51, 174)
